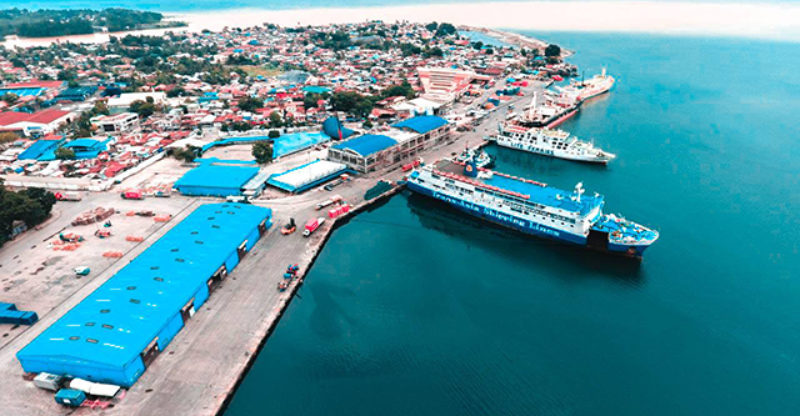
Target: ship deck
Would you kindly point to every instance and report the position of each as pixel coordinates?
(535, 192)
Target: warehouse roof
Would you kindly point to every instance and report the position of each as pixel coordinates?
(367, 144)
(117, 321)
(422, 124)
(217, 176)
(39, 148)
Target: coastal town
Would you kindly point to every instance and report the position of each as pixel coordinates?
(175, 177)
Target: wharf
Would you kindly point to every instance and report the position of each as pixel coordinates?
(199, 371)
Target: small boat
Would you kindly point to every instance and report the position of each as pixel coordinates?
(480, 157)
(558, 78)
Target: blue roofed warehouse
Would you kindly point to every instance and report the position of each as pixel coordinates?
(400, 144)
(211, 179)
(115, 332)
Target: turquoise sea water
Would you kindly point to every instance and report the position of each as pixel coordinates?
(414, 309)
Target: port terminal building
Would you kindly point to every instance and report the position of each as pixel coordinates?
(116, 332)
(400, 143)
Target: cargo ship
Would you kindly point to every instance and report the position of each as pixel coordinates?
(598, 84)
(556, 109)
(549, 142)
(587, 89)
(531, 207)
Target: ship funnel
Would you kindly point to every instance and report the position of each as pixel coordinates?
(470, 168)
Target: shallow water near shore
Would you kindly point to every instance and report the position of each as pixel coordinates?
(414, 309)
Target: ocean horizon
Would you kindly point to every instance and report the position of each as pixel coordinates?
(770, 19)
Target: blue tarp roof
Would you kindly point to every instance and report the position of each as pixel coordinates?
(131, 308)
(367, 144)
(87, 148)
(316, 89)
(23, 92)
(217, 176)
(422, 124)
(283, 145)
(39, 148)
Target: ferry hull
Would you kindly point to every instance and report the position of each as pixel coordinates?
(530, 149)
(522, 225)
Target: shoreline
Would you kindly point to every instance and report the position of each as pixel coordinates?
(766, 21)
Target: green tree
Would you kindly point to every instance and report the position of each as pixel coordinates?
(65, 153)
(45, 198)
(445, 29)
(187, 154)
(552, 50)
(275, 119)
(352, 102)
(250, 104)
(143, 108)
(274, 134)
(262, 152)
(10, 98)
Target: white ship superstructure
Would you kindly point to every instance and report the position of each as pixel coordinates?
(548, 142)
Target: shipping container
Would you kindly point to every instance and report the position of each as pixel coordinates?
(70, 397)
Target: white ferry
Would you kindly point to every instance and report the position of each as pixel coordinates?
(531, 207)
(555, 143)
(584, 90)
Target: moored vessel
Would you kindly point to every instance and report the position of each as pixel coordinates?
(531, 207)
(549, 142)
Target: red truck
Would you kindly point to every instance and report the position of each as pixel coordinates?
(132, 195)
(67, 196)
(312, 225)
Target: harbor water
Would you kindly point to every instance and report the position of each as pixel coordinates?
(412, 308)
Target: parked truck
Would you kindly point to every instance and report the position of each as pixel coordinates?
(132, 194)
(67, 196)
(312, 225)
(328, 202)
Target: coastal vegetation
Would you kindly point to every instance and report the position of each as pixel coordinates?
(31, 206)
(47, 23)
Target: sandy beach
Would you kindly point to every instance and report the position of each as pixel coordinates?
(756, 20)
(774, 21)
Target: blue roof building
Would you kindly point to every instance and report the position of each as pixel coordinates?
(87, 148)
(39, 149)
(402, 144)
(367, 144)
(421, 124)
(113, 334)
(210, 179)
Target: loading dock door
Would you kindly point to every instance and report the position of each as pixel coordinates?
(188, 310)
(149, 354)
(242, 250)
(262, 228)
